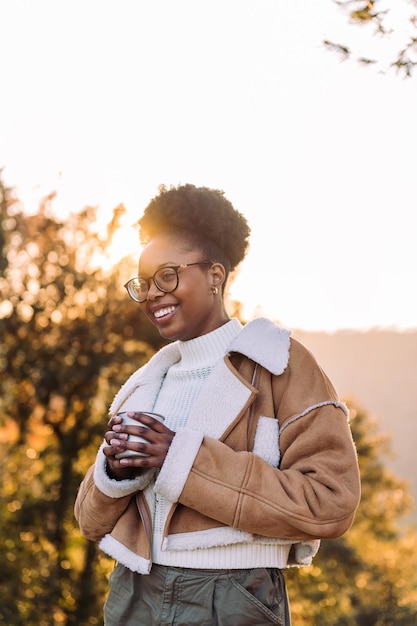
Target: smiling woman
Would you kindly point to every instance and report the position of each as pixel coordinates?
(252, 461)
(177, 236)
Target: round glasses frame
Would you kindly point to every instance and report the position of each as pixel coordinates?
(138, 287)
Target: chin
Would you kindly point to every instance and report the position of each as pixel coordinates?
(170, 335)
(176, 335)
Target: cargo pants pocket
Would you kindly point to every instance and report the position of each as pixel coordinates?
(256, 597)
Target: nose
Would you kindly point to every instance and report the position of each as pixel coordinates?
(153, 291)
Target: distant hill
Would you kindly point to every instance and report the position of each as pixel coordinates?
(378, 370)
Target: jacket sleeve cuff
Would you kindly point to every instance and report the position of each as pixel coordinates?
(303, 552)
(178, 463)
(118, 488)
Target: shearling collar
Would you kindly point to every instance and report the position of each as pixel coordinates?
(265, 343)
(261, 340)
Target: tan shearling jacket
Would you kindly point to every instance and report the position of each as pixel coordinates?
(267, 455)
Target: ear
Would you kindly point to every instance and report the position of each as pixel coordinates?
(218, 274)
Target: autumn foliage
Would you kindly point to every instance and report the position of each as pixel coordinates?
(69, 338)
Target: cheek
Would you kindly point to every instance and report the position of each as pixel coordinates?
(201, 307)
(147, 315)
(199, 296)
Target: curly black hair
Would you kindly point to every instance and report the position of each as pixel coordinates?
(202, 217)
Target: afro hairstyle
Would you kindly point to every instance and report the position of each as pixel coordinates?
(203, 218)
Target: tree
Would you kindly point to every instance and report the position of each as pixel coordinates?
(395, 26)
(65, 350)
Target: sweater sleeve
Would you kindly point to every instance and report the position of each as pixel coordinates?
(315, 491)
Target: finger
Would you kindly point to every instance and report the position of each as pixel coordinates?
(149, 435)
(114, 446)
(116, 419)
(146, 418)
(111, 451)
(155, 452)
(117, 446)
(140, 462)
(149, 431)
(110, 434)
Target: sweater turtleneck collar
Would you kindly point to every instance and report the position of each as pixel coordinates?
(206, 350)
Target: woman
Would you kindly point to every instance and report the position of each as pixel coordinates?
(253, 462)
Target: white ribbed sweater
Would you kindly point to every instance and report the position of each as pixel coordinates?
(179, 389)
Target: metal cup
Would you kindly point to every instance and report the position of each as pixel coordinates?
(130, 421)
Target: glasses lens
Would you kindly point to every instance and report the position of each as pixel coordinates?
(166, 279)
(137, 289)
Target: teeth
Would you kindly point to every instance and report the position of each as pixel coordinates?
(162, 312)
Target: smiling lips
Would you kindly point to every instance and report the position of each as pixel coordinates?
(165, 311)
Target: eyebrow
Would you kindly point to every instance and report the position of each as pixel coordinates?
(166, 264)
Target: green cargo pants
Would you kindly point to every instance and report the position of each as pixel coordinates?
(175, 596)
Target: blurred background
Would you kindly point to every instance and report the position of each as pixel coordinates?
(304, 114)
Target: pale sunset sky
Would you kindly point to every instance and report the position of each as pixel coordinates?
(103, 101)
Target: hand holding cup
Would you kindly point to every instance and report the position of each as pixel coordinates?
(136, 440)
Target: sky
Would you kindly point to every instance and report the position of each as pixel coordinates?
(104, 101)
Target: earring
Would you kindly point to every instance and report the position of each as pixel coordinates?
(215, 291)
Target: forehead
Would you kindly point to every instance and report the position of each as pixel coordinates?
(165, 250)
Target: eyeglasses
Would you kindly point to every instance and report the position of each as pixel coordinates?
(165, 279)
